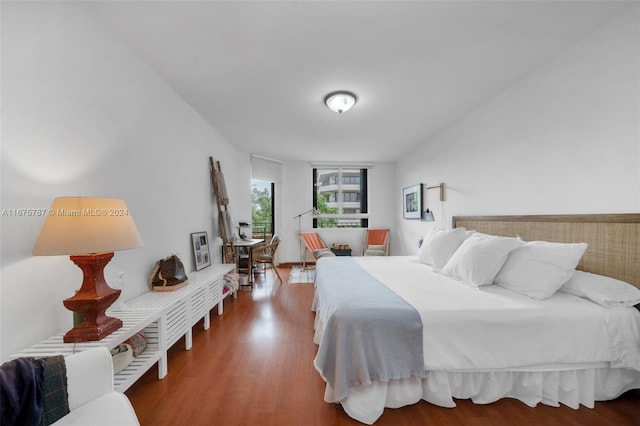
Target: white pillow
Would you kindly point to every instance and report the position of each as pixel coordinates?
(323, 252)
(376, 250)
(439, 245)
(538, 268)
(479, 258)
(605, 291)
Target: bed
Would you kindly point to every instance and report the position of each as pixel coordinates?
(537, 308)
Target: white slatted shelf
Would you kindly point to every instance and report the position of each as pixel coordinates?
(133, 322)
(140, 365)
(163, 317)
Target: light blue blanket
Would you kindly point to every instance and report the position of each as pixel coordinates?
(371, 333)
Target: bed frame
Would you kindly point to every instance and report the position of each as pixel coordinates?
(614, 239)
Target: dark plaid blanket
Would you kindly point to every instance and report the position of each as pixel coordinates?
(33, 391)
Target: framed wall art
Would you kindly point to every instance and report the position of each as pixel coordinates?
(201, 249)
(412, 202)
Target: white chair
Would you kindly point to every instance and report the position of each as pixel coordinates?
(92, 398)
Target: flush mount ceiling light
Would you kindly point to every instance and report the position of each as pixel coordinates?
(340, 101)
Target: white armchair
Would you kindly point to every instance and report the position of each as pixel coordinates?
(92, 398)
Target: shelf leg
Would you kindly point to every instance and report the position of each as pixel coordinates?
(207, 321)
(188, 340)
(162, 366)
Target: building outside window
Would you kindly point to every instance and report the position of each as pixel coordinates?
(340, 195)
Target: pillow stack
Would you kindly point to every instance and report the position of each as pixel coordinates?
(536, 269)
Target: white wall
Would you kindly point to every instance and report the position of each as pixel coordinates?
(565, 139)
(82, 115)
(296, 192)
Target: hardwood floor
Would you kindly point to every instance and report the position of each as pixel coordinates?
(254, 366)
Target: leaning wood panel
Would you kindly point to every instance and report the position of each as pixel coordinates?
(614, 239)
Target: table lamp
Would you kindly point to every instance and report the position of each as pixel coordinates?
(89, 230)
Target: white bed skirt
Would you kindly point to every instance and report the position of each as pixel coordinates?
(569, 387)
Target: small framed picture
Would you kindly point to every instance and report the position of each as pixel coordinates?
(201, 249)
(412, 201)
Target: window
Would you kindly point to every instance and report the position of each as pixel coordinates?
(350, 196)
(340, 195)
(262, 196)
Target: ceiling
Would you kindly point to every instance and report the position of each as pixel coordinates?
(258, 71)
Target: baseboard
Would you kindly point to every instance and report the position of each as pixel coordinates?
(292, 264)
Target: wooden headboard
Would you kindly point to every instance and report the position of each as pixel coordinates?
(614, 239)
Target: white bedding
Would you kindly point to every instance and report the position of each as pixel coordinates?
(484, 343)
(490, 327)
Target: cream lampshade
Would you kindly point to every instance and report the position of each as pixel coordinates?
(89, 230)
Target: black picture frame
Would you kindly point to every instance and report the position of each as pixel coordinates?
(412, 202)
(201, 254)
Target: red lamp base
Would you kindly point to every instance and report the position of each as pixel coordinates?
(92, 300)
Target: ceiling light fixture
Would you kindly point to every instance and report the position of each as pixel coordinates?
(340, 101)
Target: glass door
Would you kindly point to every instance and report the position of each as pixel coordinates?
(262, 205)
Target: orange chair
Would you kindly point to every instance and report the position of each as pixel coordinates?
(314, 244)
(376, 242)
